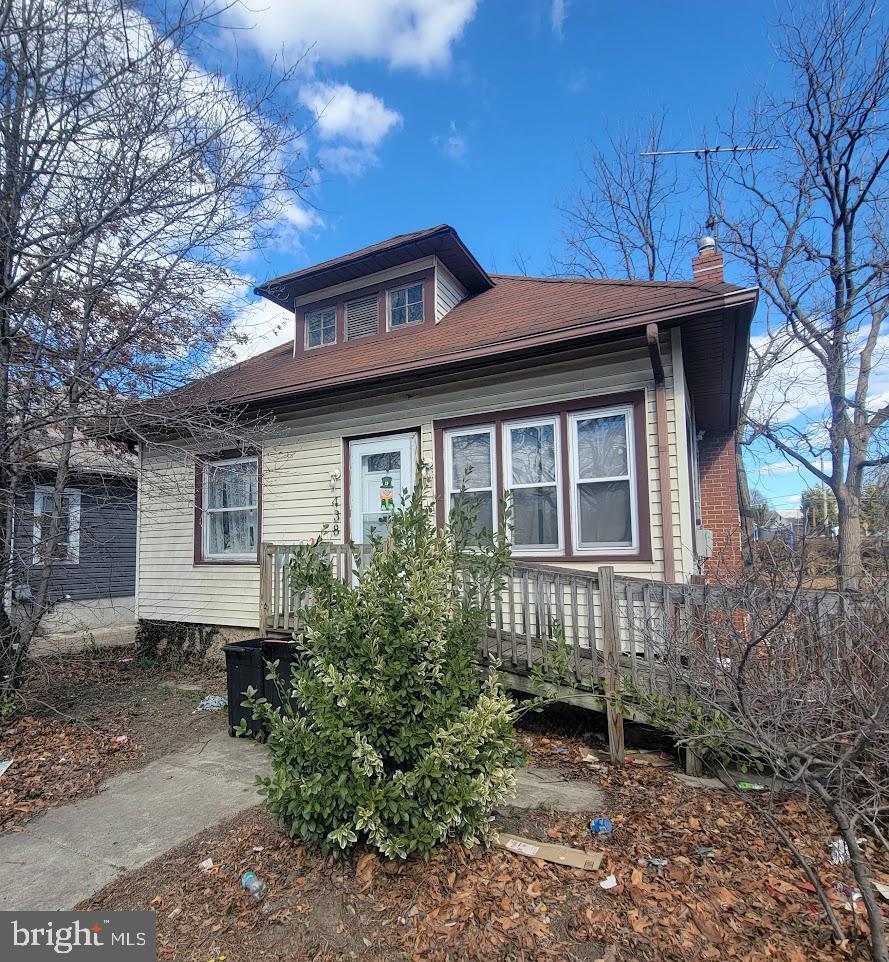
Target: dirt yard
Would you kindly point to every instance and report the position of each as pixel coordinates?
(729, 889)
(91, 716)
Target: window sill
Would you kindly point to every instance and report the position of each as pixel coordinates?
(226, 561)
(603, 558)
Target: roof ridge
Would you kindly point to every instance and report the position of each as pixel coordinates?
(595, 281)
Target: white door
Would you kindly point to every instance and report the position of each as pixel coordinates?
(380, 469)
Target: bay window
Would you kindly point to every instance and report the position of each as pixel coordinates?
(230, 516)
(532, 469)
(602, 485)
(469, 462)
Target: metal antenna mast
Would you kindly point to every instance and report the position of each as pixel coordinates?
(703, 154)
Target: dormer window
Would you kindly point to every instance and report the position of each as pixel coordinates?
(405, 306)
(320, 328)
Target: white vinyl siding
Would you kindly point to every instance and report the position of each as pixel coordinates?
(448, 291)
(171, 587)
(302, 476)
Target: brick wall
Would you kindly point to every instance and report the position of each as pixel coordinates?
(719, 504)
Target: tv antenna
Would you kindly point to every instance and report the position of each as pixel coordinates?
(704, 154)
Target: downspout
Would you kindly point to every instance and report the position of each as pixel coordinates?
(652, 338)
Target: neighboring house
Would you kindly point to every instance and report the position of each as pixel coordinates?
(606, 407)
(92, 584)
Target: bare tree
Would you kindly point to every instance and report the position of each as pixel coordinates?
(626, 218)
(807, 219)
(799, 683)
(133, 183)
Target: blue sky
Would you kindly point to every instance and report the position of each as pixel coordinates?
(478, 114)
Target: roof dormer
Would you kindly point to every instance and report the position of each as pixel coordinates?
(394, 286)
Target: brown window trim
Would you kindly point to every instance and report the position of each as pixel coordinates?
(200, 463)
(561, 410)
(426, 277)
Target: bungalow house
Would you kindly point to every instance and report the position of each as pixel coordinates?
(606, 407)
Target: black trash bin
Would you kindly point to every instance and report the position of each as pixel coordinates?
(275, 649)
(244, 667)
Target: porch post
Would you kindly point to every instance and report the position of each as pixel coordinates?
(610, 650)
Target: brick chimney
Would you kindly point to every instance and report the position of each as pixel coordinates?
(707, 266)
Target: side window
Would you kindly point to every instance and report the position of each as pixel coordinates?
(67, 548)
(532, 468)
(406, 306)
(603, 489)
(320, 328)
(230, 522)
(469, 459)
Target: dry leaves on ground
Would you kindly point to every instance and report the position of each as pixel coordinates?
(748, 902)
(53, 762)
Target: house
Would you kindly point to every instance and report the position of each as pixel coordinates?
(606, 407)
(93, 574)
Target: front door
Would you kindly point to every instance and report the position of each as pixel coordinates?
(380, 469)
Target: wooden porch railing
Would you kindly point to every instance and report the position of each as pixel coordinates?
(617, 633)
(596, 617)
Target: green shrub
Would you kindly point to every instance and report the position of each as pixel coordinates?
(399, 742)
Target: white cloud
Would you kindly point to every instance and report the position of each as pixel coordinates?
(403, 33)
(558, 12)
(348, 160)
(794, 389)
(294, 221)
(454, 145)
(343, 113)
(257, 327)
(300, 217)
(778, 467)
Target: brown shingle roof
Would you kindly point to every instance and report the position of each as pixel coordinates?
(515, 314)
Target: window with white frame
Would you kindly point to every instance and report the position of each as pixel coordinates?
(406, 305)
(532, 473)
(603, 484)
(320, 328)
(67, 542)
(231, 510)
(469, 462)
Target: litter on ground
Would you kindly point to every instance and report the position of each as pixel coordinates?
(212, 703)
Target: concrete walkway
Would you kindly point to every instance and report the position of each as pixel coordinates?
(67, 854)
(548, 789)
